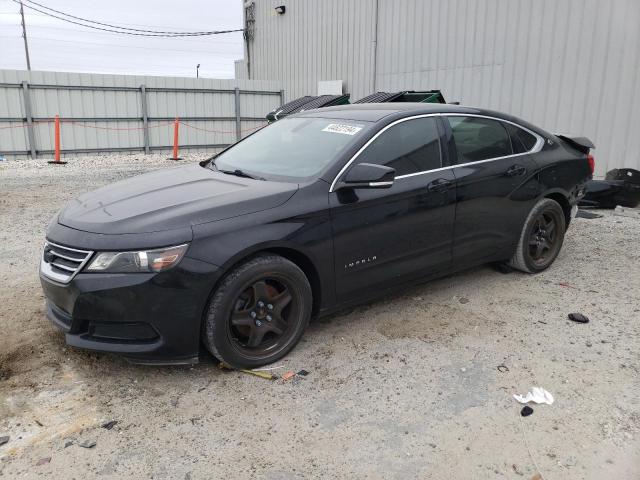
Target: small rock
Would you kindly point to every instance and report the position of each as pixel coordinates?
(589, 344)
(463, 369)
(68, 444)
(463, 300)
(4, 440)
(88, 444)
(43, 461)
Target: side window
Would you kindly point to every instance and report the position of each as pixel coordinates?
(479, 138)
(411, 146)
(521, 140)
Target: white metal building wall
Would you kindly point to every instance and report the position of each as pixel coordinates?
(566, 65)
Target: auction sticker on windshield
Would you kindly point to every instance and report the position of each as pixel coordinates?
(341, 128)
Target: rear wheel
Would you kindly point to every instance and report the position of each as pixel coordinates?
(258, 313)
(541, 238)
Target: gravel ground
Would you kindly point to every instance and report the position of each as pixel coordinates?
(405, 387)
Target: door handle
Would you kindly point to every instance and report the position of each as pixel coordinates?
(515, 171)
(439, 185)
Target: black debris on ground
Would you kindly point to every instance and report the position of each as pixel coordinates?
(526, 411)
(4, 440)
(587, 214)
(578, 317)
(109, 425)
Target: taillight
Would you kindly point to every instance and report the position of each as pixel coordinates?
(592, 163)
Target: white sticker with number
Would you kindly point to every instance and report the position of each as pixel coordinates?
(341, 128)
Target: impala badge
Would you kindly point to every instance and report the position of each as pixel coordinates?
(360, 262)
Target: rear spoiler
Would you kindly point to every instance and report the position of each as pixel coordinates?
(583, 144)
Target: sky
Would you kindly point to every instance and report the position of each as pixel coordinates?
(59, 46)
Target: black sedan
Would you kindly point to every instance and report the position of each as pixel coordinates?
(318, 211)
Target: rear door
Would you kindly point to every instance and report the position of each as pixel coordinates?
(495, 186)
(384, 236)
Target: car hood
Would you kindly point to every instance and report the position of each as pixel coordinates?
(170, 199)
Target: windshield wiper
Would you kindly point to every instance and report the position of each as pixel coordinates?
(237, 172)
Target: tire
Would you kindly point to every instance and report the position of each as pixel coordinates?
(258, 313)
(541, 238)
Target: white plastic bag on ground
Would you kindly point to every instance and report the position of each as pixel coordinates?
(537, 395)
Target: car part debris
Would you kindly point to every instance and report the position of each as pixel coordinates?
(536, 395)
(87, 444)
(43, 461)
(303, 373)
(288, 375)
(4, 440)
(582, 213)
(621, 186)
(526, 411)
(578, 317)
(627, 212)
(109, 425)
(257, 373)
(265, 375)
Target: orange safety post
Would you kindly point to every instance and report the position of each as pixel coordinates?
(56, 139)
(176, 126)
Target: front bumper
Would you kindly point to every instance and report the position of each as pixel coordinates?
(147, 317)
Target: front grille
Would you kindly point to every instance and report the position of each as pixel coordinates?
(62, 263)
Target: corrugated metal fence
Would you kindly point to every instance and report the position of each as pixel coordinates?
(110, 113)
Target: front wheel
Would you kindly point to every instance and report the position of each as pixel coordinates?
(258, 313)
(541, 238)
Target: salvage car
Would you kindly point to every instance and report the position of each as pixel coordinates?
(321, 210)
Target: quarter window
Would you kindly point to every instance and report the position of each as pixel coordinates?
(409, 147)
(479, 138)
(521, 140)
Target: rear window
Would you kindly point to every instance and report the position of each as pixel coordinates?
(479, 138)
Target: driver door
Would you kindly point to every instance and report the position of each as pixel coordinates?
(388, 235)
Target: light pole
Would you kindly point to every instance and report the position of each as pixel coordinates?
(24, 35)
(198, 71)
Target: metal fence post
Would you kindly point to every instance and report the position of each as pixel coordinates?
(29, 116)
(145, 118)
(281, 97)
(238, 126)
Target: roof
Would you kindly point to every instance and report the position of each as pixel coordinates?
(373, 112)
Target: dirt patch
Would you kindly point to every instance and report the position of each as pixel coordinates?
(405, 387)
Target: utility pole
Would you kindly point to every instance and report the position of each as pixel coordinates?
(24, 35)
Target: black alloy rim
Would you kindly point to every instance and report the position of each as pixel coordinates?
(544, 240)
(261, 318)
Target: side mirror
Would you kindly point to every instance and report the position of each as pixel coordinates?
(368, 175)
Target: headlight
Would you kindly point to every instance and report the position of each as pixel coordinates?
(142, 261)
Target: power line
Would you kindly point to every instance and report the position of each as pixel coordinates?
(123, 30)
(109, 45)
(109, 25)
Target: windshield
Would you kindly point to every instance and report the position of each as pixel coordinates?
(292, 147)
